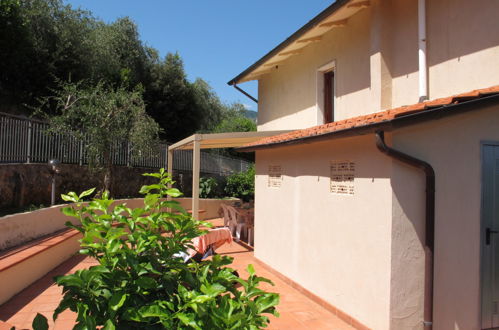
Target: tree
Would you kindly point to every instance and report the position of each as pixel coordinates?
(44, 42)
(41, 41)
(118, 55)
(180, 107)
(102, 116)
(234, 120)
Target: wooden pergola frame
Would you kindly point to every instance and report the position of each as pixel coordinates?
(197, 142)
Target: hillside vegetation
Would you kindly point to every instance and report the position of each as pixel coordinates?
(46, 43)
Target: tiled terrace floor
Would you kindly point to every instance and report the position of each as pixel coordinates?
(297, 311)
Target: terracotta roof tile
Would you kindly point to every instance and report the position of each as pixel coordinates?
(374, 117)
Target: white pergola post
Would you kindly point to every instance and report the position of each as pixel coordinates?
(196, 166)
(169, 168)
(169, 160)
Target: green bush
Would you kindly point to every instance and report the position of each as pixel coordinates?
(207, 187)
(241, 185)
(142, 283)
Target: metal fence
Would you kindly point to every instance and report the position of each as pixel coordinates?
(24, 140)
(210, 163)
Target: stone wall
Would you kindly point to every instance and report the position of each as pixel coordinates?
(22, 185)
(26, 184)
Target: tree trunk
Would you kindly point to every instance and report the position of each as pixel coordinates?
(108, 174)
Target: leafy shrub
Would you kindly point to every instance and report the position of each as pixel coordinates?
(207, 187)
(142, 283)
(241, 185)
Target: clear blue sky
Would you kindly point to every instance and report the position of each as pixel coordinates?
(217, 39)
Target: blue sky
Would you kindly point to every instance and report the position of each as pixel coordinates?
(217, 39)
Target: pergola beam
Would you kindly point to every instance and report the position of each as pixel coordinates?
(197, 142)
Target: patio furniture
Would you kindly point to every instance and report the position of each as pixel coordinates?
(215, 238)
(238, 220)
(225, 214)
(205, 245)
(248, 214)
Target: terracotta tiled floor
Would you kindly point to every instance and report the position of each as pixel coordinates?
(297, 311)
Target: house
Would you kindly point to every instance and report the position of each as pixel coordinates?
(382, 202)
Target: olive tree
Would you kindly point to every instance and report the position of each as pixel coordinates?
(101, 116)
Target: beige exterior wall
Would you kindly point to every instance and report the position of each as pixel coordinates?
(336, 246)
(455, 154)
(376, 58)
(288, 98)
(300, 227)
(353, 250)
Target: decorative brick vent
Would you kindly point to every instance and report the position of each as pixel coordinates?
(275, 176)
(342, 177)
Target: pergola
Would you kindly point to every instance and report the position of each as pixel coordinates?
(197, 142)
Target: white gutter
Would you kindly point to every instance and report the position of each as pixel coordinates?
(423, 79)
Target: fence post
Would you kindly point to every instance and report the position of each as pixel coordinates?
(219, 164)
(28, 156)
(81, 153)
(127, 153)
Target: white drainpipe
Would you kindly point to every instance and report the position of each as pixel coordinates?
(423, 86)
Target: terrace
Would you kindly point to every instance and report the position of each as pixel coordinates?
(298, 309)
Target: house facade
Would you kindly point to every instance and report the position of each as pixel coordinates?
(384, 97)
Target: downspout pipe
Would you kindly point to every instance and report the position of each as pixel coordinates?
(423, 79)
(245, 93)
(430, 219)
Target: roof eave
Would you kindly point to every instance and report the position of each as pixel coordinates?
(295, 36)
(388, 125)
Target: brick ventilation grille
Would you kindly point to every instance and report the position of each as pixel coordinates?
(275, 176)
(342, 177)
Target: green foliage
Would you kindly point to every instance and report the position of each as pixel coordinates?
(241, 185)
(180, 107)
(106, 116)
(41, 40)
(44, 42)
(40, 322)
(207, 187)
(234, 119)
(141, 283)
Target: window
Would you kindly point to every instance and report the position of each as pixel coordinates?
(328, 97)
(326, 93)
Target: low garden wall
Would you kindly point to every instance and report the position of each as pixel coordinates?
(19, 228)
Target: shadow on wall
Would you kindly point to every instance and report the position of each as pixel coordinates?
(314, 159)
